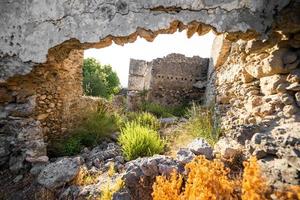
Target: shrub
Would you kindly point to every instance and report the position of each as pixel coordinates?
(206, 180)
(137, 141)
(209, 180)
(203, 123)
(253, 185)
(108, 191)
(95, 127)
(145, 119)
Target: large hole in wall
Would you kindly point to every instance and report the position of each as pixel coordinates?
(177, 72)
(170, 69)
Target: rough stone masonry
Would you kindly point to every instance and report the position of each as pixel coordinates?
(254, 71)
(169, 81)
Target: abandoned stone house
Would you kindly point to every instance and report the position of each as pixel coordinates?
(172, 80)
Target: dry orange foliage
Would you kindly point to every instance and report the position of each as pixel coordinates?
(208, 180)
(254, 186)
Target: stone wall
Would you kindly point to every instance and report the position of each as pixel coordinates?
(171, 80)
(257, 87)
(40, 107)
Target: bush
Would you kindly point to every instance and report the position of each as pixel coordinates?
(95, 127)
(144, 119)
(99, 80)
(164, 111)
(206, 180)
(138, 141)
(203, 123)
(209, 180)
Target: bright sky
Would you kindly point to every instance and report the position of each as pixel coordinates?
(119, 56)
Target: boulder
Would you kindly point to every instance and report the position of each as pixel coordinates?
(185, 155)
(201, 147)
(59, 173)
(228, 148)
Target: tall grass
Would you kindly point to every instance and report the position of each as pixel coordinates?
(164, 111)
(138, 141)
(96, 126)
(203, 122)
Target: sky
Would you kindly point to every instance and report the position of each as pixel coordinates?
(119, 56)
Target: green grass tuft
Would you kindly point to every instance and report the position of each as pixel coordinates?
(138, 141)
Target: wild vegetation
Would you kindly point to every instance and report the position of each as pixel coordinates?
(164, 111)
(138, 141)
(99, 80)
(96, 126)
(202, 122)
(209, 180)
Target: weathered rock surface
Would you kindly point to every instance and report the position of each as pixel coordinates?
(52, 23)
(147, 169)
(59, 173)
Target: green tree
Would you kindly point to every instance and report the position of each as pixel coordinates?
(99, 80)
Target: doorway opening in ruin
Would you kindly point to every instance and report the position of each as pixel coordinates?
(169, 62)
(172, 69)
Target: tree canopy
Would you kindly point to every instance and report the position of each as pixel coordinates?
(99, 80)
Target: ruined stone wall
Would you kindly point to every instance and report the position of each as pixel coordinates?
(257, 87)
(38, 107)
(167, 81)
(173, 78)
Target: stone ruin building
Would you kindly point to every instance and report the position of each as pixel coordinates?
(172, 80)
(253, 73)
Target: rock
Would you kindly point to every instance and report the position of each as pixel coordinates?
(185, 155)
(289, 110)
(18, 178)
(200, 84)
(277, 63)
(287, 99)
(294, 76)
(297, 96)
(252, 102)
(41, 159)
(168, 121)
(16, 162)
(42, 116)
(153, 166)
(37, 168)
(4, 149)
(262, 145)
(122, 194)
(228, 148)
(201, 147)
(289, 57)
(60, 172)
(269, 84)
(294, 87)
(279, 173)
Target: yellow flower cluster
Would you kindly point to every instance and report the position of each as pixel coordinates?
(208, 180)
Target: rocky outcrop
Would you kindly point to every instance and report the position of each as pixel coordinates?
(256, 90)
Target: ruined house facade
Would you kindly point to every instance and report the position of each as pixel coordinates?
(172, 80)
